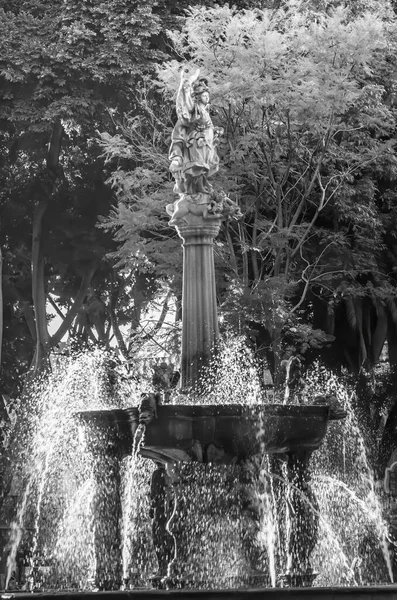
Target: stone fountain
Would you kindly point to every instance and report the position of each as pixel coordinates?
(189, 444)
(173, 435)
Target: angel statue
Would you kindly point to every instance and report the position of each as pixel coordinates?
(192, 153)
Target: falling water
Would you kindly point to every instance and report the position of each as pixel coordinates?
(137, 546)
(58, 502)
(351, 508)
(17, 532)
(58, 469)
(127, 510)
(231, 378)
(43, 470)
(73, 554)
(268, 532)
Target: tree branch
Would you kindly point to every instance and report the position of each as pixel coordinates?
(116, 329)
(244, 256)
(74, 309)
(55, 306)
(254, 259)
(233, 258)
(163, 314)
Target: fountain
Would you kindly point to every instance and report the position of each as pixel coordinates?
(195, 443)
(174, 435)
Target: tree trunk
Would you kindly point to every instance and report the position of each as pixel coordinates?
(117, 333)
(38, 289)
(178, 311)
(45, 189)
(1, 304)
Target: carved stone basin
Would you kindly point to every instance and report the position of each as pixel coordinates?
(215, 433)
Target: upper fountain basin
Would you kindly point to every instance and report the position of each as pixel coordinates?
(215, 433)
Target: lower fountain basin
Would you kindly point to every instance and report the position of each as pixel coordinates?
(220, 434)
(381, 592)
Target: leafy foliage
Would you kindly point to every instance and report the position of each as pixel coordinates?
(304, 100)
(65, 67)
(304, 92)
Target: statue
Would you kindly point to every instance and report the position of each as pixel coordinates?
(192, 153)
(194, 158)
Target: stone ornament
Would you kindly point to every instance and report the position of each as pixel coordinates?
(194, 158)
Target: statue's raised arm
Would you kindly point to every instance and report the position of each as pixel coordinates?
(185, 96)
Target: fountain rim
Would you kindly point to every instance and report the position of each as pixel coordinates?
(222, 410)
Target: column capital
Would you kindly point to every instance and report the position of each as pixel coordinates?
(199, 234)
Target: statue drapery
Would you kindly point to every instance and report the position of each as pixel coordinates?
(193, 154)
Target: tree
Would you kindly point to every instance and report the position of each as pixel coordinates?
(65, 67)
(304, 100)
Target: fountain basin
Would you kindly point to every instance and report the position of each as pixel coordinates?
(215, 433)
(385, 592)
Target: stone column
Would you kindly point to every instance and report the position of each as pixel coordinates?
(199, 312)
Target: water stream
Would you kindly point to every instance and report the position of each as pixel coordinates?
(57, 503)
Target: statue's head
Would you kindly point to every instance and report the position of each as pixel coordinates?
(201, 90)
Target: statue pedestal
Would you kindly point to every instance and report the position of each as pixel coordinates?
(199, 312)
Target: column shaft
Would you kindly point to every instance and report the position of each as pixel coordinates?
(199, 311)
